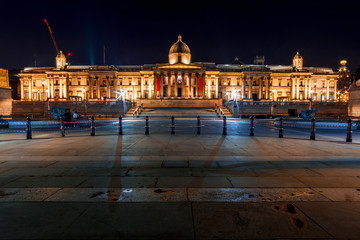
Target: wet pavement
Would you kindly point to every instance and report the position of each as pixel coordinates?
(178, 187)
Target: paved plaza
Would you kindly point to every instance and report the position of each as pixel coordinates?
(188, 186)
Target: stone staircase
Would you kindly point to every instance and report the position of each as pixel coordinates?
(225, 112)
(131, 111)
(178, 112)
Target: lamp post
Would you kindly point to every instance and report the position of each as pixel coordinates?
(84, 92)
(43, 92)
(133, 92)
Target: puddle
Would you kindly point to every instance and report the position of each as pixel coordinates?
(3, 194)
(298, 223)
(159, 191)
(96, 194)
(296, 194)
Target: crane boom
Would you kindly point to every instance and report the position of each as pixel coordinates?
(52, 36)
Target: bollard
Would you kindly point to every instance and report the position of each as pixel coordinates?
(28, 128)
(252, 126)
(62, 128)
(146, 125)
(281, 129)
(120, 126)
(224, 125)
(172, 125)
(92, 126)
(198, 125)
(349, 131)
(312, 133)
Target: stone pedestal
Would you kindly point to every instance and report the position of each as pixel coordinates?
(354, 102)
(5, 102)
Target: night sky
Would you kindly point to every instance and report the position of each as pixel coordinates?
(141, 32)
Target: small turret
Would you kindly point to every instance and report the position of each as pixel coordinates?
(298, 61)
(60, 60)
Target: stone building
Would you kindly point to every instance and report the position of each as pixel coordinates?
(179, 79)
(5, 94)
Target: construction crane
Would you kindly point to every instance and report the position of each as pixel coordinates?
(52, 36)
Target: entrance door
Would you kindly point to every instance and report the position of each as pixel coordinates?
(194, 92)
(179, 92)
(164, 92)
(254, 96)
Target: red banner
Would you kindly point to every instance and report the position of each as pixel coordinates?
(158, 84)
(200, 84)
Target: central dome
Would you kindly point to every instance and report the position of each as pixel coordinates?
(179, 52)
(179, 47)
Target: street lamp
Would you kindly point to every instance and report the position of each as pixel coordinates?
(133, 92)
(43, 86)
(273, 91)
(84, 93)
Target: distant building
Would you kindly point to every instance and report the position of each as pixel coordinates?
(180, 79)
(5, 94)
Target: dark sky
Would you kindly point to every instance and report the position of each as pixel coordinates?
(139, 32)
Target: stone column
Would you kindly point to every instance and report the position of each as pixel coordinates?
(209, 90)
(162, 85)
(260, 88)
(190, 92)
(30, 89)
(217, 87)
(335, 90)
(250, 88)
(306, 88)
(114, 86)
(22, 89)
(91, 88)
(293, 88)
(182, 85)
(150, 89)
(176, 84)
(65, 87)
(98, 79)
(203, 85)
(169, 85)
(309, 94)
(107, 87)
(297, 88)
(243, 79)
(61, 88)
(267, 83)
(48, 88)
(327, 89)
(142, 87)
(197, 85)
(155, 85)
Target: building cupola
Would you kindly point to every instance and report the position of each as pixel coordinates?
(179, 52)
(60, 60)
(297, 61)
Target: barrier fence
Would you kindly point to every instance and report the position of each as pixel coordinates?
(338, 131)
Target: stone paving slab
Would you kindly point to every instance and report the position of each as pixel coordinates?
(334, 182)
(37, 220)
(26, 194)
(119, 182)
(133, 221)
(340, 194)
(253, 195)
(253, 221)
(119, 195)
(340, 219)
(265, 182)
(45, 182)
(34, 171)
(193, 182)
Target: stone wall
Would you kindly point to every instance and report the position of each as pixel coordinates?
(39, 109)
(179, 103)
(354, 102)
(5, 102)
(289, 108)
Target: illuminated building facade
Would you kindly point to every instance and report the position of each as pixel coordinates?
(180, 79)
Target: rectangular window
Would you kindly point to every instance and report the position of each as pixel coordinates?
(314, 97)
(322, 97)
(331, 97)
